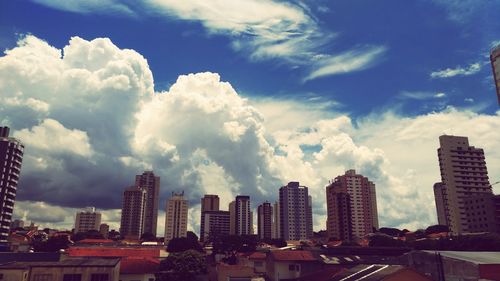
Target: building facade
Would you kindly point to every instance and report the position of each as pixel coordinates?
(463, 175)
(240, 216)
(209, 202)
(216, 224)
(176, 217)
(351, 206)
(87, 219)
(264, 220)
(11, 157)
(104, 230)
(151, 183)
(134, 203)
(295, 212)
(276, 221)
(495, 64)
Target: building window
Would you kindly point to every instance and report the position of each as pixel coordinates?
(42, 277)
(99, 277)
(72, 277)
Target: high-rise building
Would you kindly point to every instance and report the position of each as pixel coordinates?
(87, 219)
(176, 217)
(264, 220)
(276, 221)
(295, 212)
(151, 184)
(216, 224)
(104, 230)
(439, 198)
(208, 203)
(134, 203)
(351, 206)
(495, 64)
(463, 175)
(240, 216)
(11, 157)
(232, 218)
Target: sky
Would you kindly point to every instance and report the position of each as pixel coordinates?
(241, 97)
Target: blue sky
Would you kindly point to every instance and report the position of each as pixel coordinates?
(317, 78)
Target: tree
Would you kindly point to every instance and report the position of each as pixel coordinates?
(91, 234)
(182, 244)
(182, 266)
(438, 228)
(394, 232)
(53, 244)
(148, 236)
(386, 241)
(192, 236)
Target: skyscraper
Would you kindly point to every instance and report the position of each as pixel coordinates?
(264, 220)
(276, 221)
(176, 217)
(216, 224)
(134, 203)
(295, 212)
(463, 175)
(351, 206)
(151, 184)
(240, 216)
(495, 64)
(11, 157)
(87, 219)
(208, 203)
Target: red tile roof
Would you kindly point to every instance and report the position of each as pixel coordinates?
(257, 256)
(113, 252)
(139, 265)
(292, 255)
(95, 241)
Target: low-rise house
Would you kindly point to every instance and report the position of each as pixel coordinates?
(92, 269)
(226, 272)
(138, 269)
(453, 265)
(290, 264)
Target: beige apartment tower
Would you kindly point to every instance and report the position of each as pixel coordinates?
(463, 176)
(87, 219)
(351, 206)
(240, 220)
(295, 212)
(134, 203)
(151, 183)
(176, 217)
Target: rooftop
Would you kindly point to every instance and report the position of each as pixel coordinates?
(104, 251)
(69, 262)
(474, 257)
(296, 255)
(139, 265)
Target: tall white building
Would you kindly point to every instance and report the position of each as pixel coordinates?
(276, 221)
(463, 176)
(240, 216)
(176, 217)
(295, 212)
(87, 219)
(11, 157)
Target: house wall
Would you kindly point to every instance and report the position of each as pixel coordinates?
(57, 273)
(137, 277)
(14, 274)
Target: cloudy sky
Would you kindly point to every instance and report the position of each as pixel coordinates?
(241, 97)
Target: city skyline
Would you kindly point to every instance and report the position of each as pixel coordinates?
(101, 93)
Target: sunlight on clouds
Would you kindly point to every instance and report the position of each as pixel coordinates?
(458, 71)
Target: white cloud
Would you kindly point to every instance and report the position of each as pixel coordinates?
(52, 137)
(201, 136)
(421, 95)
(262, 29)
(458, 71)
(350, 61)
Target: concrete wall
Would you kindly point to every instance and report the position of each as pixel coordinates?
(137, 277)
(57, 273)
(14, 274)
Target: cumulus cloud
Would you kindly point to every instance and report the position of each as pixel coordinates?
(458, 71)
(101, 123)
